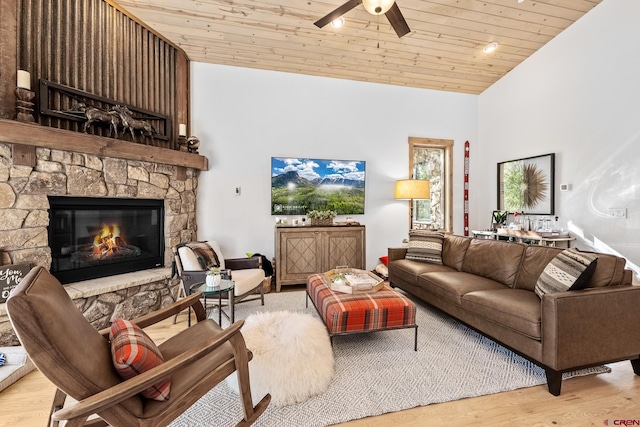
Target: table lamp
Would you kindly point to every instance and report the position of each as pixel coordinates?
(412, 189)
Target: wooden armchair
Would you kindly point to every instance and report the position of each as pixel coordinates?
(77, 359)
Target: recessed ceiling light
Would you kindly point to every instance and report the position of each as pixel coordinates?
(490, 47)
(338, 22)
(520, 1)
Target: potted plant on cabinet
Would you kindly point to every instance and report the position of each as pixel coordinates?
(321, 217)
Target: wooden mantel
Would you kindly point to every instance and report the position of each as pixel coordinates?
(15, 132)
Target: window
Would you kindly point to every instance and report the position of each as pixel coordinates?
(431, 159)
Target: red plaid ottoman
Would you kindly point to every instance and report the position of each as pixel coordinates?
(363, 312)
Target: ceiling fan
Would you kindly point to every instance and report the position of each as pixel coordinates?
(375, 7)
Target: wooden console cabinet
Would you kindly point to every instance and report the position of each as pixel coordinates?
(301, 251)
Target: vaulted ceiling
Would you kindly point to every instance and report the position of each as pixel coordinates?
(443, 50)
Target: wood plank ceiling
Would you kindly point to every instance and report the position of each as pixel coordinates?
(443, 51)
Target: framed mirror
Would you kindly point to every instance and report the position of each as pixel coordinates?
(527, 185)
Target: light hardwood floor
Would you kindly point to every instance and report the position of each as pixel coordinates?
(585, 401)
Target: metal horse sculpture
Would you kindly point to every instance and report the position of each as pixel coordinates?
(94, 115)
(128, 122)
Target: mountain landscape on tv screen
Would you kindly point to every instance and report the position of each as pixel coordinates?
(301, 185)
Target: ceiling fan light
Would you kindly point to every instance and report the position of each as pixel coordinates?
(338, 22)
(377, 7)
(490, 47)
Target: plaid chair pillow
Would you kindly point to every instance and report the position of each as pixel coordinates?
(133, 353)
(425, 246)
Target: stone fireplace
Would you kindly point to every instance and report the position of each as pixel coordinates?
(46, 150)
(25, 202)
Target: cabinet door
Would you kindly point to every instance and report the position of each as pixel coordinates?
(300, 255)
(344, 248)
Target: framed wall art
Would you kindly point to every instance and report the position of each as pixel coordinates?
(527, 185)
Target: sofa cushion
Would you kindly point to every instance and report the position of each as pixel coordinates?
(536, 258)
(569, 270)
(408, 270)
(452, 285)
(493, 259)
(515, 309)
(425, 246)
(454, 250)
(610, 271)
(133, 353)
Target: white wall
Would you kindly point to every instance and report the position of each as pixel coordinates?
(578, 96)
(243, 117)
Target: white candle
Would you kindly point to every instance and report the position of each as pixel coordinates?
(182, 129)
(24, 79)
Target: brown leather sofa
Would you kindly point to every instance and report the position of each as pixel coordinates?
(489, 286)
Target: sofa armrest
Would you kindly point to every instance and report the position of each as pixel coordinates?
(396, 253)
(590, 326)
(243, 263)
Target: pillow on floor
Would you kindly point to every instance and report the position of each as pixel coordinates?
(569, 270)
(133, 353)
(425, 246)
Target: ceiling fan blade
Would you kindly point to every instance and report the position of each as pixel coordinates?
(397, 20)
(337, 13)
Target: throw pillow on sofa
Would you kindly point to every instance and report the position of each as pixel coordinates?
(133, 352)
(425, 246)
(569, 270)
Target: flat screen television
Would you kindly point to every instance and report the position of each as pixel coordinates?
(301, 185)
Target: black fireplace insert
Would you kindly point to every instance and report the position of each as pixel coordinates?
(97, 237)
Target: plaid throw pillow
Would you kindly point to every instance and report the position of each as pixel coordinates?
(133, 353)
(425, 246)
(569, 270)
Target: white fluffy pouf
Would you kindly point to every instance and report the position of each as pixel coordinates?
(292, 357)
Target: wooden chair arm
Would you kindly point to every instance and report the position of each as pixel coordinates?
(243, 263)
(170, 310)
(128, 388)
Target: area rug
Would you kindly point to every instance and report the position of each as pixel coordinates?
(379, 372)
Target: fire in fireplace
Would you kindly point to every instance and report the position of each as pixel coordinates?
(98, 237)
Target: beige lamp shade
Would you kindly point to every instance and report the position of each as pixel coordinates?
(412, 189)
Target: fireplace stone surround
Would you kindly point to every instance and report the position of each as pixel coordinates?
(24, 211)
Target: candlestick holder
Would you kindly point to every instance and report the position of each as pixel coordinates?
(182, 143)
(24, 105)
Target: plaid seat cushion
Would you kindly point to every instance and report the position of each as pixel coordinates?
(133, 353)
(361, 312)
